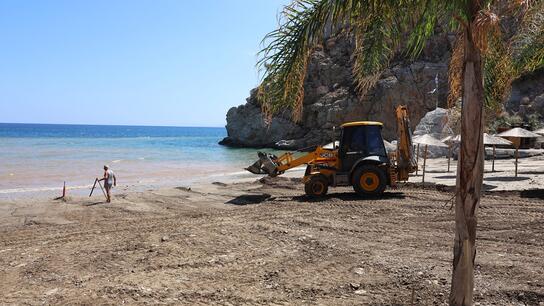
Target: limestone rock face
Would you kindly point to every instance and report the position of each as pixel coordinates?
(434, 123)
(331, 98)
(527, 97)
(246, 127)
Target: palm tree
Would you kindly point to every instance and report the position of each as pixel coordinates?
(384, 28)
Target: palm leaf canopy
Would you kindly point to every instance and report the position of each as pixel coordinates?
(380, 30)
(520, 54)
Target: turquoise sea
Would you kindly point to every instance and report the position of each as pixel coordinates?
(40, 157)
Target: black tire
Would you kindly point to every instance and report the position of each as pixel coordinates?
(317, 186)
(369, 180)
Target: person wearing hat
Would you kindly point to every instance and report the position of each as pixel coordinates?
(109, 181)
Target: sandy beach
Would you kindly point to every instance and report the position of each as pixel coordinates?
(176, 110)
(239, 240)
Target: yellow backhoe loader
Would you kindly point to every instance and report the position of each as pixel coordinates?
(359, 159)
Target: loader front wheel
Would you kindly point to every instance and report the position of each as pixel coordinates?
(317, 186)
(369, 180)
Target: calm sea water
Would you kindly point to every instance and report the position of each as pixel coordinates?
(39, 157)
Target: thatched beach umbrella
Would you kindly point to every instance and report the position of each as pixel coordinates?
(450, 140)
(495, 141)
(428, 140)
(515, 136)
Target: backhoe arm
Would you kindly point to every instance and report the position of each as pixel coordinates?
(273, 166)
(406, 163)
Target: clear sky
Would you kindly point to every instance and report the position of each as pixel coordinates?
(141, 62)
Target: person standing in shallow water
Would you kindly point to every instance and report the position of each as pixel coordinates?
(109, 181)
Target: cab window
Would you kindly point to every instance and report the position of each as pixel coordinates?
(375, 144)
(364, 139)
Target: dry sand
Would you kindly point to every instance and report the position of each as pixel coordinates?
(530, 173)
(266, 243)
(262, 242)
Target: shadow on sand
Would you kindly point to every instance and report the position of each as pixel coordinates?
(437, 171)
(248, 199)
(95, 203)
(531, 172)
(506, 178)
(349, 196)
(488, 187)
(532, 193)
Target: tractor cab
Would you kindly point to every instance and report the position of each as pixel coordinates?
(361, 142)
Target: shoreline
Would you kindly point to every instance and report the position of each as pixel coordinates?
(531, 170)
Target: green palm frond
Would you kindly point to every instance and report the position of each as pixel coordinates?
(284, 57)
(375, 44)
(380, 29)
(498, 75)
(528, 44)
(455, 70)
(424, 25)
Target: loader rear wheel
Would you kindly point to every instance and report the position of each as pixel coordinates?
(369, 180)
(317, 186)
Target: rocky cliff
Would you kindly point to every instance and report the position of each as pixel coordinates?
(527, 97)
(331, 99)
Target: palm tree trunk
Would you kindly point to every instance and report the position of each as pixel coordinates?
(469, 175)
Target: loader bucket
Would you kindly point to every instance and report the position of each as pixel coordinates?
(264, 165)
(255, 168)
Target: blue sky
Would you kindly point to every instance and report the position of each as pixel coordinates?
(161, 62)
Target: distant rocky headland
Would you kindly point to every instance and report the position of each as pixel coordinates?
(331, 98)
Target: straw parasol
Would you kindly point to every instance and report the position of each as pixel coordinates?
(516, 134)
(427, 140)
(450, 140)
(539, 132)
(495, 141)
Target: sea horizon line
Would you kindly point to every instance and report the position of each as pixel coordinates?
(120, 125)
